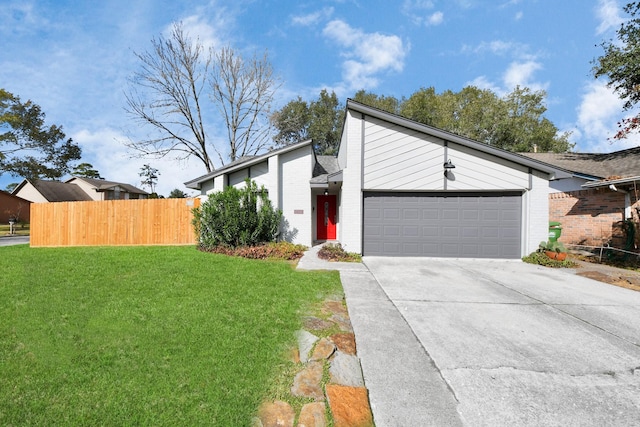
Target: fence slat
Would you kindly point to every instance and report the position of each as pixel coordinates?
(113, 223)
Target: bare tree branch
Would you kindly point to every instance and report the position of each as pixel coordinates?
(168, 96)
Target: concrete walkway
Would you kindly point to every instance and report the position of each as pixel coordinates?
(405, 387)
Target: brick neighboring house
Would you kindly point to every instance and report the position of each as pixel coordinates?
(603, 192)
(13, 207)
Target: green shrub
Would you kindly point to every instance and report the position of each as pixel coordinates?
(540, 258)
(236, 217)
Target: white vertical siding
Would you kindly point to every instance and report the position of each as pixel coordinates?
(350, 213)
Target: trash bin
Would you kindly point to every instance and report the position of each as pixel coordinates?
(555, 230)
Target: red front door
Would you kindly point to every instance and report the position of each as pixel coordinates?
(326, 209)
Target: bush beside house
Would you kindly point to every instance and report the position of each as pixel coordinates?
(236, 217)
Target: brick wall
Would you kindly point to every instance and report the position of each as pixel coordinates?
(591, 217)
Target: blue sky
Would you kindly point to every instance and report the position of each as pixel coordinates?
(74, 58)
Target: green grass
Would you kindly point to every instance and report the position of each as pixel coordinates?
(144, 335)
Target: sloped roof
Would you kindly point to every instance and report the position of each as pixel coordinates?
(623, 163)
(325, 166)
(56, 191)
(243, 162)
(103, 185)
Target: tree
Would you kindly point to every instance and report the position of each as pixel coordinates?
(179, 81)
(514, 122)
(243, 92)
(292, 122)
(28, 148)
(150, 177)
(177, 194)
(85, 170)
(621, 65)
(389, 104)
(320, 120)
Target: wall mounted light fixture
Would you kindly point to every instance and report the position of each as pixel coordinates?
(326, 192)
(448, 166)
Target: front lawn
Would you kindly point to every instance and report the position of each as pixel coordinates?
(144, 335)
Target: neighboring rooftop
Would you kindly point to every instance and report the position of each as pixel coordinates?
(55, 191)
(621, 163)
(103, 185)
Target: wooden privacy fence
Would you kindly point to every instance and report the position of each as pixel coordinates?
(113, 223)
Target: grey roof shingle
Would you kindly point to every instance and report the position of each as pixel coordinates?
(103, 185)
(55, 191)
(621, 163)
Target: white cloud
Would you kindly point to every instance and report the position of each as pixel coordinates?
(521, 74)
(609, 15)
(518, 16)
(598, 113)
(435, 19)
(211, 36)
(312, 18)
(367, 54)
(419, 12)
(483, 83)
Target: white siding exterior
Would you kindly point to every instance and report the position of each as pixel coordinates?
(350, 210)
(296, 168)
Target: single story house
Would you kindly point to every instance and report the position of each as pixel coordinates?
(13, 207)
(76, 190)
(400, 188)
(602, 192)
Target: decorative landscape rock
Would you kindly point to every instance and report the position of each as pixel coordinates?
(276, 414)
(307, 382)
(335, 307)
(345, 342)
(349, 406)
(316, 324)
(345, 370)
(313, 415)
(323, 350)
(306, 341)
(343, 322)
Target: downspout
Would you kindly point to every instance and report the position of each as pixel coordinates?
(627, 200)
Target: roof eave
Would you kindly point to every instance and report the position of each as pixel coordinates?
(606, 183)
(195, 184)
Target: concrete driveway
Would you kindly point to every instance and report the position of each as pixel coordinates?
(493, 343)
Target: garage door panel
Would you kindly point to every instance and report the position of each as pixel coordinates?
(443, 225)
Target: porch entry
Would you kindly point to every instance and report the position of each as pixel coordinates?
(326, 217)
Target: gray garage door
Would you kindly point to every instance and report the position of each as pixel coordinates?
(463, 225)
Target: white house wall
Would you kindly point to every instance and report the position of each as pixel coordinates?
(536, 213)
(475, 170)
(87, 188)
(350, 209)
(295, 169)
(398, 158)
(260, 174)
(29, 192)
(237, 178)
